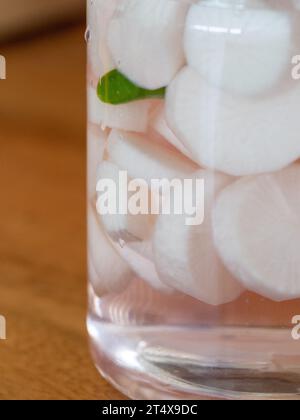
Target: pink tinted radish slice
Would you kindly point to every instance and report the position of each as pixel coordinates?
(144, 268)
(95, 154)
(132, 116)
(122, 223)
(159, 125)
(238, 136)
(146, 40)
(185, 256)
(257, 232)
(99, 14)
(145, 159)
(131, 233)
(109, 272)
(244, 50)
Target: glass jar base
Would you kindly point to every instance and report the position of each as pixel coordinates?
(223, 363)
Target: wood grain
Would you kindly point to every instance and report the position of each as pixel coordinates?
(42, 223)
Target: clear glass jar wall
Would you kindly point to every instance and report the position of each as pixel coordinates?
(194, 197)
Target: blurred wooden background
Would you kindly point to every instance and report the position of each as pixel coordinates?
(19, 16)
(42, 220)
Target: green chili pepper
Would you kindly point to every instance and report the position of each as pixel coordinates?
(114, 88)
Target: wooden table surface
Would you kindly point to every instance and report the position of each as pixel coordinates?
(42, 222)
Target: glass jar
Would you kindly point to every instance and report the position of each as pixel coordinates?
(193, 197)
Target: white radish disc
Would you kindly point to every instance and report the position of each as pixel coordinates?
(92, 78)
(120, 224)
(159, 125)
(95, 153)
(185, 256)
(99, 14)
(144, 268)
(238, 136)
(131, 233)
(147, 160)
(257, 232)
(243, 50)
(132, 116)
(109, 272)
(146, 40)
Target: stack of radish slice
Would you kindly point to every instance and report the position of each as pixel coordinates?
(147, 160)
(144, 43)
(257, 232)
(185, 256)
(235, 135)
(99, 14)
(230, 117)
(95, 154)
(108, 271)
(244, 50)
(121, 224)
(159, 125)
(131, 117)
(131, 233)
